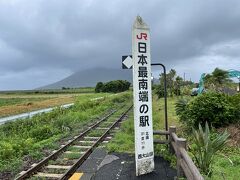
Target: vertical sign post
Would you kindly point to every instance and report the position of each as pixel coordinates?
(142, 93)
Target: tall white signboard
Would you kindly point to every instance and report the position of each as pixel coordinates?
(142, 93)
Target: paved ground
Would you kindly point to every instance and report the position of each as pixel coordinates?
(103, 166)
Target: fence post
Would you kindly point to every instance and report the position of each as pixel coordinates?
(181, 143)
(172, 129)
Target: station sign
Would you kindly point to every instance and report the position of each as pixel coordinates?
(142, 95)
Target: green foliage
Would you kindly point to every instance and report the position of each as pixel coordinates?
(226, 164)
(125, 139)
(180, 107)
(174, 85)
(218, 79)
(213, 107)
(235, 101)
(99, 87)
(11, 149)
(186, 90)
(177, 86)
(121, 99)
(170, 77)
(27, 137)
(220, 76)
(159, 90)
(163, 151)
(204, 147)
(42, 132)
(76, 155)
(113, 86)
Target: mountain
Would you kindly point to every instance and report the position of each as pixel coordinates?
(90, 77)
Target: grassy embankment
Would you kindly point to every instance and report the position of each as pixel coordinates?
(15, 102)
(226, 163)
(125, 138)
(25, 141)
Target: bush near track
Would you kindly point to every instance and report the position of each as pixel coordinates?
(217, 109)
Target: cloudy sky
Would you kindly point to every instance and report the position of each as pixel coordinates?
(43, 41)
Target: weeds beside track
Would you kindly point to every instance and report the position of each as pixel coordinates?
(77, 157)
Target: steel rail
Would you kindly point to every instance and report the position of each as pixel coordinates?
(74, 167)
(35, 168)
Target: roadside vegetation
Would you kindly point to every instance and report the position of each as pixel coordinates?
(23, 142)
(125, 137)
(215, 148)
(225, 163)
(221, 112)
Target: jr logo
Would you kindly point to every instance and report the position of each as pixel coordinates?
(142, 35)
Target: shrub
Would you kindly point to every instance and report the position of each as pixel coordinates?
(204, 147)
(235, 101)
(214, 108)
(186, 90)
(180, 106)
(159, 90)
(42, 132)
(112, 86)
(7, 150)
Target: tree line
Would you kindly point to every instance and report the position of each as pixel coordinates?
(174, 84)
(112, 86)
(215, 81)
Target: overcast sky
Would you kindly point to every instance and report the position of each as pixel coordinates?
(43, 41)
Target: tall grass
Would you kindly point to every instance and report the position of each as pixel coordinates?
(23, 137)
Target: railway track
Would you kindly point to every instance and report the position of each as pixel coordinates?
(62, 163)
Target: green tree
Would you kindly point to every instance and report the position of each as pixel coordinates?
(217, 79)
(99, 87)
(220, 76)
(177, 85)
(170, 78)
(113, 86)
(170, 81)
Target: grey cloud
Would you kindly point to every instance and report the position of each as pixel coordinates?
(71, 35)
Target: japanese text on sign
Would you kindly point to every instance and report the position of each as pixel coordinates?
(142, 99)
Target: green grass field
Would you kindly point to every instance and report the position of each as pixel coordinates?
(16, 102)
